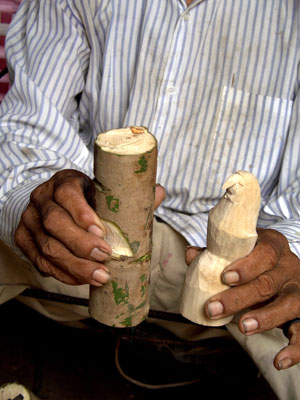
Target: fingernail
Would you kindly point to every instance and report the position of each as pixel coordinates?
(99, 255)
(285, 363)
(230, 277)
(95, 230)
(215, 308)
(101, 276)
(250, 324)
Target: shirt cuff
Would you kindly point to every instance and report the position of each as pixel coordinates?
(16, 202)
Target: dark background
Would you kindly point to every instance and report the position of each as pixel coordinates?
(65, 363)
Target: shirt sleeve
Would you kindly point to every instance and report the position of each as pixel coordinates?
(48, 56)
(282, 211)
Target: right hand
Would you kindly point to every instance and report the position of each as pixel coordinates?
(61, 234)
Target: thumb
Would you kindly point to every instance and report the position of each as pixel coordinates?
(290, 355)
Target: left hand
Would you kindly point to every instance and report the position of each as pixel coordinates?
(268, 278)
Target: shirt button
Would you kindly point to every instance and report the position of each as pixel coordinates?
(186, 16)
(171, 89)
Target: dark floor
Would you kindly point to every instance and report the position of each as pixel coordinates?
(62, 363)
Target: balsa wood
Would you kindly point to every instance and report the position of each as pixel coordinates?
(11, 391)
(231, 234)
(125, 174)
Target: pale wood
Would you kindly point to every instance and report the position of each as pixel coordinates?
(10, 391)
(231, 234)
(125, 172)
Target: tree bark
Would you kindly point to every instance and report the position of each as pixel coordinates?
(125, 175)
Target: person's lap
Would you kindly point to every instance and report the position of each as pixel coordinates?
(168, 269)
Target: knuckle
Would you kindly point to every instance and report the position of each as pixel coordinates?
(49, 248)
(85, 218)
(51, 217)
(83, 269)
(42, 264)
(26, 216)
(63, 191)
(269, 254)
(22, 238)
(294, 330)
(291, 296)
(291, 300)
(18, 237)
(36, 194)
(77, 246)
(80, 273)
(266, 285)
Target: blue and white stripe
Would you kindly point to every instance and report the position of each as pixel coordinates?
(216, 82)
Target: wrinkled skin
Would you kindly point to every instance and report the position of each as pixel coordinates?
(269, 279)
(61, 234)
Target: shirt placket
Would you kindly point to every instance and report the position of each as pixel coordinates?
(172, 79)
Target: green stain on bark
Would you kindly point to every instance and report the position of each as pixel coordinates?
(143, 290)
(134, 246)
(127, 322)
(143, 279)
(140, 305)
(143, 163)
(113, 203)
(120, 295)
(145, 257)
(147, 220)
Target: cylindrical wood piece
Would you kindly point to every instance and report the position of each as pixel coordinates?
(125, 174)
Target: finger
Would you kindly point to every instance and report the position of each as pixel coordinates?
(263, 258)
(191, 252)
(282, 309)
(70, 194)
(25, 242)
(84, 271)
(80, 242)
(160, 195)
(290, 355)
(68, 189)
(240, 297)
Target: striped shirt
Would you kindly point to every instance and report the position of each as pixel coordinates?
(216, 82)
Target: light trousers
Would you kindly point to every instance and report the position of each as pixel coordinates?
(168, 269)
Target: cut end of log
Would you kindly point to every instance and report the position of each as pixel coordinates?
(132, 140)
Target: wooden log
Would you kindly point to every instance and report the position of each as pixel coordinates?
(16, 391)
(231, 234)
(125, 175)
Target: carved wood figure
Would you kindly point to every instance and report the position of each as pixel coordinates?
(125, 174)
(231, 234)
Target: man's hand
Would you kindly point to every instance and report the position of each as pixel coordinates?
(269, 279)
(62, 235)
(60, 232)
